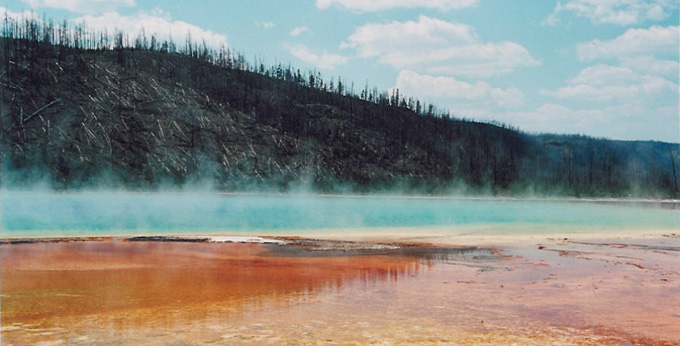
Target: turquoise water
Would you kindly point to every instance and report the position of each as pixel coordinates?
(98, 213)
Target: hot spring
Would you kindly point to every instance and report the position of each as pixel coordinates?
(38, 214)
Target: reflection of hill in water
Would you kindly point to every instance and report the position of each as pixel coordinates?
(118, 287)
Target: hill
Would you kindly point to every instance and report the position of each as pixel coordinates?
(79, 115)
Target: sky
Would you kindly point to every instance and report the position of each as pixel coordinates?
(603, 68)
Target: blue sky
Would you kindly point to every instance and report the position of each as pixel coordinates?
(605, 68)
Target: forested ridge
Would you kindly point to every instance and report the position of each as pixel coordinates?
(81, 109)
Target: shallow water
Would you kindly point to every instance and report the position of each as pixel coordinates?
(98, 213)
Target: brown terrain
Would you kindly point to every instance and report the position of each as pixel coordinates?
(559, 291)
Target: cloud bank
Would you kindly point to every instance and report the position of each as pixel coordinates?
(479, 94)
(381, 5)
(434, 46)
(156, 22)
(322, 60)
(619, 12)
(82, 6)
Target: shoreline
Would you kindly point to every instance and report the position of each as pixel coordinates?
(406, 235)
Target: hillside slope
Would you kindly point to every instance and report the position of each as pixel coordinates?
(148, 119)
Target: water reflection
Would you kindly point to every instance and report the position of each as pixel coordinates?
(114, 288)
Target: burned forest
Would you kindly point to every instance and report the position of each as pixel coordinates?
(83, 109)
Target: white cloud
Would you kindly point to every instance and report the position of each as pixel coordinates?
(621, 12)
(631, 90)
(647, 69)
(547, 118)
(82, 6)
(437, 47)
(379, 5)
(457, 93)
(652, 51)
(157, 22)
(656, 40)
(617, 102)
(266, 25)
(323, 61)
(604, 74)
(298, 30)
(652, 65)
(619, 121)
(615, 83)
(550, 116)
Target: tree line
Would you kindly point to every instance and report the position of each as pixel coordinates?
(29, 37)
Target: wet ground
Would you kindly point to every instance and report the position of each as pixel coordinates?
(310, 292)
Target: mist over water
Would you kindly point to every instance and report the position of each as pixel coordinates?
(127, 213)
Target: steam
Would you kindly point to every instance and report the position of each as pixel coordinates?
(49, 213)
